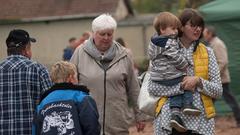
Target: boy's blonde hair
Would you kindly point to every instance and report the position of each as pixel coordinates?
(164, 20)
(61, 70)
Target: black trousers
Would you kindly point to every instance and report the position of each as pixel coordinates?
(174, 132)
(231, 101)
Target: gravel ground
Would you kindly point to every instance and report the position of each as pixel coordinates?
(224, 126)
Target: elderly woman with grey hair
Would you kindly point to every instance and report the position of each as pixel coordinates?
(106, 68)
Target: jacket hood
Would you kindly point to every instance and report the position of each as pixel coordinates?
(64, 86)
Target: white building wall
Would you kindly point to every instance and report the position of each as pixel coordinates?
(52, 38)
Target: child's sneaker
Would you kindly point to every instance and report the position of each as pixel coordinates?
(177, 123)
(191, 110)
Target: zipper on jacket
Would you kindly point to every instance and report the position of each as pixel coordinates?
(104, 101)
(105, 89)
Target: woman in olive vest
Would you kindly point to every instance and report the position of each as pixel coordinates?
(203, 80)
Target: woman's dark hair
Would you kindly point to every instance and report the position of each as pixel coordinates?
(192, 16)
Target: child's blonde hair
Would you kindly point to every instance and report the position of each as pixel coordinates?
(164, 20)
(61, 70)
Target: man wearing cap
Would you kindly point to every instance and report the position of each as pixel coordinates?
(21, 82)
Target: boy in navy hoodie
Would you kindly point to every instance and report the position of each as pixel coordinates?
(66, 108)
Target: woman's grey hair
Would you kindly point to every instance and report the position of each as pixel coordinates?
(103, 22)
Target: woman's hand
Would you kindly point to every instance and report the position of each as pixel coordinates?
(190, 83)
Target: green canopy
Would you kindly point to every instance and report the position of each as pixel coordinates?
(221, 10)
(224, 15)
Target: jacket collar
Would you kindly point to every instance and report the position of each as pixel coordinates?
(120, 52)
(64, 86)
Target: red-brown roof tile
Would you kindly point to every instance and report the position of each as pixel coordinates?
(26, 9)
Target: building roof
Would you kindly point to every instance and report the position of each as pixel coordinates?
(29, 10)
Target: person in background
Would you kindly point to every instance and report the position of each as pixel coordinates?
(66, 108)
(123, 43)
(220, 51)
(203, 79)
(21, 82)
(83, 38)
(106, 68)
(129, 51)
(68, 51)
